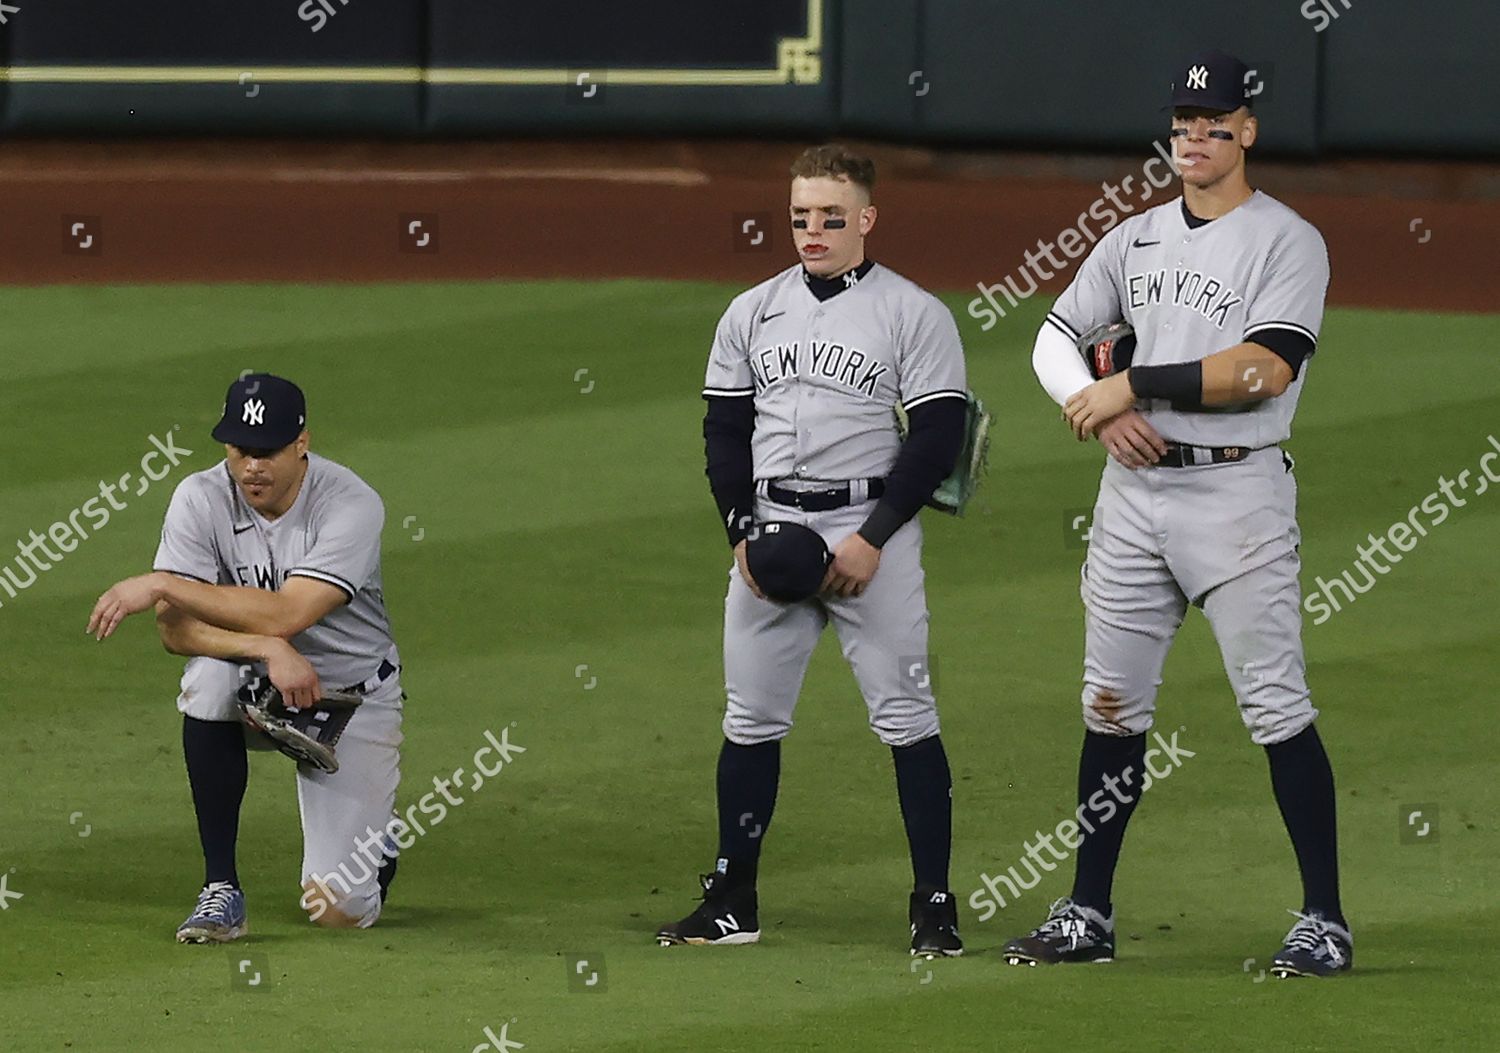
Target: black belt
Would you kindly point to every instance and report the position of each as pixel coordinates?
(824, 499)
(387, 670)
(1180, 456)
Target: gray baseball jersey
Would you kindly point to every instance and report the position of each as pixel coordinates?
(1192, 292)
(1220, 536)
(331, 533)
(827, 375)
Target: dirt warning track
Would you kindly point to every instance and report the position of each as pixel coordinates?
(1400, 235)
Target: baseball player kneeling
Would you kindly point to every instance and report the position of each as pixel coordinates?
(268, 578)
(1223, 289)
(819, 494)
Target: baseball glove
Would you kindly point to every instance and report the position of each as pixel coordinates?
(954, 493)
(1107, 348)
(308, 736)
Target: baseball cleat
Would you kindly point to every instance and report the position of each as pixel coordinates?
(1314, 947)
(934, 925)
(1071, 933)
(386, 873)
(726, 916)
(218, 918)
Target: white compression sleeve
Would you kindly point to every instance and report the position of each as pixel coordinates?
(1058, 365)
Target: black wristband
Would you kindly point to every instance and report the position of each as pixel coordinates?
(1179, 382)
(737, 524)
(882, 522)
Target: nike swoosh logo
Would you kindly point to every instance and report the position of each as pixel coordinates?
(768, 317)
(1138, 243)
(241, 530)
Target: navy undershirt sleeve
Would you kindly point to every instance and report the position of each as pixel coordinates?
(727, 427)
(934, 439)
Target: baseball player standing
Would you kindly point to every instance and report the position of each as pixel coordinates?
(272, 557)
(803, 380)
(1224, 288)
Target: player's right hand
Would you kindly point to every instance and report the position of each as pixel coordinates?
(1131, 440)
(293, 676)
(122, 599)
(739, 558)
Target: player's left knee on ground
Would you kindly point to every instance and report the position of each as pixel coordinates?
(329, 906)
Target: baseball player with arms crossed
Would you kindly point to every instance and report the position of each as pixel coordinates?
(272, 556)
(803, 380)
(1224, 288)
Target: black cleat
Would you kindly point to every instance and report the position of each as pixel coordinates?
(726, 916)
(385, 874)
(1314, 947)
(934, 925)
(1071, 933)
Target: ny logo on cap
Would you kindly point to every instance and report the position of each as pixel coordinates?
(255, 412)
(1197, 78)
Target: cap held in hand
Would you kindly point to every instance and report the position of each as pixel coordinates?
(787, 560)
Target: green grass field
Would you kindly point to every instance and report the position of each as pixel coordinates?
(568, 579)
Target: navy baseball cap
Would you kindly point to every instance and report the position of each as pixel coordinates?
(787, 560)
(1211, 80)
(262, 412)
